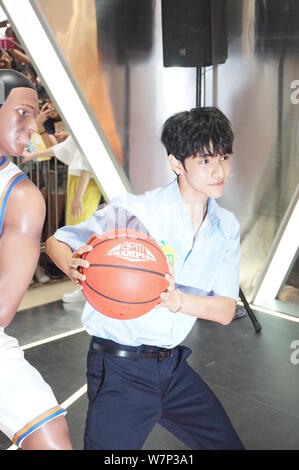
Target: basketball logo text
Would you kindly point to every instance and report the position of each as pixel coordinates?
(132, 251)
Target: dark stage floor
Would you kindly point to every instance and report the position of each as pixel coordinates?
(252, 375)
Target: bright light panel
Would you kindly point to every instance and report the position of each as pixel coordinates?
(53, 73)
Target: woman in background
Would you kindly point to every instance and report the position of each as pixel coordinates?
(83, 194)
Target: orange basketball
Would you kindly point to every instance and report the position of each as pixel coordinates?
(126, 274)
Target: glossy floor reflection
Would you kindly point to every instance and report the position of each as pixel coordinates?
(253, 376)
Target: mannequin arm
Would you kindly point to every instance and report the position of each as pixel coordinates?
(19, 246)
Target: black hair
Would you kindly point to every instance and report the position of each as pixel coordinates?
(10, 79)
(204, 131)
(27, 68)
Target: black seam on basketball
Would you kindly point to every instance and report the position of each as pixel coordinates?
(127, 267)
(120, 301)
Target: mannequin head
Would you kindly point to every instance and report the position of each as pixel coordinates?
(19, 108)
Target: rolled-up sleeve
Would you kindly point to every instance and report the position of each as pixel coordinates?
(113, 216)
(227, 280)
(63, 151)
(77, 235)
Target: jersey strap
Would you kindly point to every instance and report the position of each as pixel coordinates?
(5, 195)
(3, 162)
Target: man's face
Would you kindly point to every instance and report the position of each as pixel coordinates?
(17, 120)
(207, 175)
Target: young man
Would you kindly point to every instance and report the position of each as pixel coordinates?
(29, 412)
(137, 371)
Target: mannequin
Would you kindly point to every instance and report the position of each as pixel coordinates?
(29, 412)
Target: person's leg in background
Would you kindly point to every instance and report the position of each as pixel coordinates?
(91, 199)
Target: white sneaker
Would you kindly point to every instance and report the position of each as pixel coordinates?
(40, 275)
(75, 296)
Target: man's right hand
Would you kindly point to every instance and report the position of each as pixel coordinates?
(75, 263)
(44, 114)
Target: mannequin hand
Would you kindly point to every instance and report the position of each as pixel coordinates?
(75, 263)
(77, 207)
(27, 156)
(170, 299)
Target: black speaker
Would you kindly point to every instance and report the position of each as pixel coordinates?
(194, 32)
(125, 29)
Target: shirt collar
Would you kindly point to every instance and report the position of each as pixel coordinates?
(212, 218)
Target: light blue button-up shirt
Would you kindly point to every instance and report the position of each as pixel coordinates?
(207, 264)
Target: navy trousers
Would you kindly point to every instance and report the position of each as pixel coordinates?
(127, 397)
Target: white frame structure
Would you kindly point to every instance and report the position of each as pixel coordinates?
(74, 110)
(286, 246)
(80, 119)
